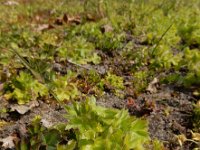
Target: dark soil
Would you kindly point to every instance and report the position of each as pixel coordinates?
(51, 114)
(169, 113)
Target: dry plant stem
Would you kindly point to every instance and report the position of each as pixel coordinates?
(160, 39)
(81, 66)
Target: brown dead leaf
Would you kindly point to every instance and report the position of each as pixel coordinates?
(23, 132)
(198, 103)
(1, 86)
(3, 123)
(8, 142)
(46, 123)
(181, 139)
(106, 28)
(196, 93)
(65, 18)
(11, 3)
(151, 87)
(22, 109)
(68, 20)
(33, 104)
(71, 19)
(150, 105)
(90, 17)
(196, 136)
(131, 102)
(58, 21)
(43, 27)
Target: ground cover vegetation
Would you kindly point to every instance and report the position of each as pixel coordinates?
(99, 74)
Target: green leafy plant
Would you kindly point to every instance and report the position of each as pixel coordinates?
(105, 41)
(25, 88)
(89, 127)
(110, 41)
(97, 127)
(94, 9)
(192, 62)
(78, 50)
(61, 88)
(64, 89)
(157, 145)
(188, 60)
(196, 117)
(164, 58)
(39, 137)
(140, 80)
(190, 27)
(112, 82)
(92, 77)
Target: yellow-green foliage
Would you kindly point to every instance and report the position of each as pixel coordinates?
(196, 117)
(79, 51)
(97, 127)
(25, 88)
(114, 80)
(140, 80)
(152, 36)
(64, 89)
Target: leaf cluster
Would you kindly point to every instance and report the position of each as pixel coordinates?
(78, 50)
(64, 89)
(39, 137)
(97, 127)
(112, 82)
(25, 88)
